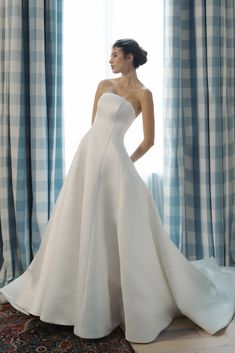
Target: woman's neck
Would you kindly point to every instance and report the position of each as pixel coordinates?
(129, 79)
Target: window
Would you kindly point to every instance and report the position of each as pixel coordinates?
(90, 29)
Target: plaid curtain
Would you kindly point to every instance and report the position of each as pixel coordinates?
(31, 158)
(199, 118)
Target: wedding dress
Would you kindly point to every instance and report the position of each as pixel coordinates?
(105, 258)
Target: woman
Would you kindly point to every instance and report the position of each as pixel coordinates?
(105, 259)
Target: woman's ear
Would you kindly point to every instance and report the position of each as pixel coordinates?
(130, 58)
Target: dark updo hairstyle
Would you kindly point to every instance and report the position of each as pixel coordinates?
(130, 46)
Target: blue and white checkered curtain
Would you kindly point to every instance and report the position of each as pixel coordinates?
(199, 175)
(31, 158)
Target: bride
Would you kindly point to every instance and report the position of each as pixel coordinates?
(105, 258)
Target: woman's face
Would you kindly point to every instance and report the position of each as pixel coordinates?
(119, 62)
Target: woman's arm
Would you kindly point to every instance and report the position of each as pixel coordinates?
(146, 102)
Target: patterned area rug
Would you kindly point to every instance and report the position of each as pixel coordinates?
(27, 334)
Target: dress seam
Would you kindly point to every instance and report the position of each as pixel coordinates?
(95, 205)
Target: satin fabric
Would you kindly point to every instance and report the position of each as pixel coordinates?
(105, 258)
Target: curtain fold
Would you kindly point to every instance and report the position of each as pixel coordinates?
(31, 140)
(199, 118)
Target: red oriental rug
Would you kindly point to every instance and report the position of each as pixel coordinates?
(27, 334)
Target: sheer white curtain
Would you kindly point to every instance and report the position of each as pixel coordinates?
(90, 29)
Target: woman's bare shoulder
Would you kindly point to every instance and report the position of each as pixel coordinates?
(144, 94)
(144, 91)
(107, 83)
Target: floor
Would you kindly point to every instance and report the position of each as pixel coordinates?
(183, 336)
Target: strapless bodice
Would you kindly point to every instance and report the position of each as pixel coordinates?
(114, 113)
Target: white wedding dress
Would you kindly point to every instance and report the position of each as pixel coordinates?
(105, 258)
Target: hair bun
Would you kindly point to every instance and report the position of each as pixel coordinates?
(143, 56)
